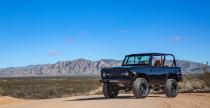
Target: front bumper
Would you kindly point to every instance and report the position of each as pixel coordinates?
(116, 80)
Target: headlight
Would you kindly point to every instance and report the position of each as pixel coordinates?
(134, 73)
(126, 73)
(104, 74)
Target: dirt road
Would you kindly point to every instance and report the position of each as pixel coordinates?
(197, 100)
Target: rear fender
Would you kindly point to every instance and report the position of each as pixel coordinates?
(173, 76)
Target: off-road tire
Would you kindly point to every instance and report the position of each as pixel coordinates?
(140, 88)
(110, 90)
(171, 88)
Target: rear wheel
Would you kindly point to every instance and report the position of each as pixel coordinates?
(110, 90)
(171, 88)
(140, 88)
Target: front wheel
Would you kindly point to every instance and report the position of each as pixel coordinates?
(140, 88)
(171, 88)
(110, 90)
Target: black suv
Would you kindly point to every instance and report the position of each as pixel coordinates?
(140, 73)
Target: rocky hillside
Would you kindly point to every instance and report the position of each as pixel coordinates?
(74, 67)
(80, 67)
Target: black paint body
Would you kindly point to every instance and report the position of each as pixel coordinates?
(155, 75)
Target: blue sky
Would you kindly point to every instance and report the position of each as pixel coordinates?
(39, 32)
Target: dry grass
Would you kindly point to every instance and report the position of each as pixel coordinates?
(54, 87)
(47, 87)
(195, 83)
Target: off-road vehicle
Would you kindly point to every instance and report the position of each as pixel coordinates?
(140, 73)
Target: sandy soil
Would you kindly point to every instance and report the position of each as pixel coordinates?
(8, 100)
(183, 100)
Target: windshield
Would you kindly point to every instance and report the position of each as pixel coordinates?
(136, 60)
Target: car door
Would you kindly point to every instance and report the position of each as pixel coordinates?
(159, 72)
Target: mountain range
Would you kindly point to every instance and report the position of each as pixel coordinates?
(81, 67)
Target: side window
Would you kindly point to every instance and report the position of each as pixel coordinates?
(157, 61)
(169, 61)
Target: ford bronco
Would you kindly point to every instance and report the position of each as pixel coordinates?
(140, 73)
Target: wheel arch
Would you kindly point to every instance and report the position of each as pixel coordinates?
(173, 76)
(142, 75)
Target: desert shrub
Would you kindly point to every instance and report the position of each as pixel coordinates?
(1, 92)
(194, 83)
(207, 79)
(55, 87)
(48, 87)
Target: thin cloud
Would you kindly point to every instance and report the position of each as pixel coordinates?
(83, 33)
(176, 38)
(122, 31)
(5, 47)
(54, 53)
(71, 40)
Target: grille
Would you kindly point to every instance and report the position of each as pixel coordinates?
(116, 73)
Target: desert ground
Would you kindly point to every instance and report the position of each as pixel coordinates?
(183, 100)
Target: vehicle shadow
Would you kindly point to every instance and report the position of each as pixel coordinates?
(103, 98)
